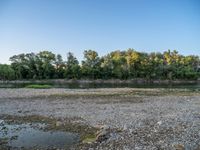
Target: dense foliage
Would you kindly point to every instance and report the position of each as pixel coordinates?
(6, 72)
(129, 64)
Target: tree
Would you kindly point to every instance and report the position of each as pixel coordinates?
(133, 60)
(47, 60)
(91, 64)
(106, 67)
(31, 63)
(20, 67)
(72, 67)
(33, 66)
(120, 68)
(118, 64)
(60, 67)
(6, 72)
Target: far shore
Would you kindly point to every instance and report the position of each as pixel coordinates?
(108, 81)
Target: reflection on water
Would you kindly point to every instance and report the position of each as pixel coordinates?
(86, 85)
(33, 136)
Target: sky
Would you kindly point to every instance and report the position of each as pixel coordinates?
(61, 26)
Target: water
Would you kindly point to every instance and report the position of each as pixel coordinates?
(33, 136)
(86, 85)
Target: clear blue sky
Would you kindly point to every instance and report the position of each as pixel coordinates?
(102, 25)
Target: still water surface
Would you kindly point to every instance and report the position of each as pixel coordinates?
(32, 136)
(78, 85)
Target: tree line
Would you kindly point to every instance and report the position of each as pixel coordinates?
(128, 64)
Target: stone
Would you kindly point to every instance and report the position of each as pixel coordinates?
(19, 111)
(159, 123)
(179, 147)
(14, 137)
(102, 135)
(2, 122)
(58, 123)
(106, 127)
(125, 127)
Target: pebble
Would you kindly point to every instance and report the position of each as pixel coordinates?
(2, 122)
(58, 123)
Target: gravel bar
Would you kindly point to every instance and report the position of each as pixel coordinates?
(137, 121)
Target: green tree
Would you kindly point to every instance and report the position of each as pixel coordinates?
(120, 67)
(60, 67)
(106, 67)
(6, 72)
(72, 67)
(118, 64)
(31, 65)
(20, 66)
(91, 65)
(47, 60)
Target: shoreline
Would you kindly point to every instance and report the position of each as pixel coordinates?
(102, 81)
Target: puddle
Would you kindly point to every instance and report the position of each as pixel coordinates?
(30, 136)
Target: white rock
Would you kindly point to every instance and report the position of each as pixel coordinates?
(159, 123)
(1, 122)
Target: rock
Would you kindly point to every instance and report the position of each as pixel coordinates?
(102, 136)
(14, 137)
(106, 127)
(179, 147)
(125, 127)
(4, 128)
(101, 127)
(159, 123)
(58, 123)
(19, 111)
(3, 141)
(2, 122)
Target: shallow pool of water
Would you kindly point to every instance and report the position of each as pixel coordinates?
(33, 136)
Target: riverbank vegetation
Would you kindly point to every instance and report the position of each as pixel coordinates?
(129, 64)
(39, 86)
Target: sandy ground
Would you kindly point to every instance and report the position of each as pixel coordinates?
(143, 118)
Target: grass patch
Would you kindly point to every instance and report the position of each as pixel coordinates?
(39, 86)
(89, 138)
